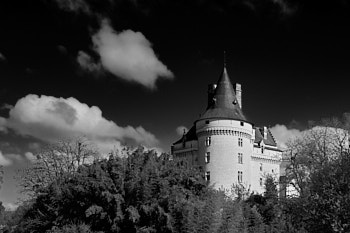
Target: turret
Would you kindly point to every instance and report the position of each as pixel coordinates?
(224, 136)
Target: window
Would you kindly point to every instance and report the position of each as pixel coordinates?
(240, 176)
(206, 122)
(240, 158)
(240, 142)
(272, 171)
(261, 168)
(207, 176)
(261, 181)
(242, 123)
(262, 149)
(207, 157)
(208, 141)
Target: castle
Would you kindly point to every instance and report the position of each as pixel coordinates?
(226, 146)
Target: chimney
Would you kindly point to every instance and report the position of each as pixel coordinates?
(265, 132)
(239, 94)
(211, 92)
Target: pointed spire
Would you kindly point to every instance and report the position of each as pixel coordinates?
(224, 93)
(224, 59)
(224, 104)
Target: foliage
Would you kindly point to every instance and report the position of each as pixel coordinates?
(329, 201)
(53, 162)
(312, 151)
(140, 192)
(72, 228)
(319, 171)
(1, 175)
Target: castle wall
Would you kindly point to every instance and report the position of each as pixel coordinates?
(224, 148)
(188, 150)
(263, 165)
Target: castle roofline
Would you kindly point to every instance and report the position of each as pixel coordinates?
(189, 136)
(259, 136)
(224, 103)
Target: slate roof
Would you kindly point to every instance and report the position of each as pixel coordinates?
(189, 136)
(259, 136)
(224, 104)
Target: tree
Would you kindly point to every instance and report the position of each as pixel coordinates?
(142, 192)
(270, 208)
(319, 172)
(329, 200)
(54, 161)
(319, 145)
(71, 228)
(1, 175)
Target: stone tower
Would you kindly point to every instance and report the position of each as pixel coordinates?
(225, 145)
(225, 137)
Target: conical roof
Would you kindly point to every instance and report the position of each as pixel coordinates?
(224, 104)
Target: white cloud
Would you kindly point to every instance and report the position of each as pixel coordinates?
(4, 161)
(180, 130)
(2, 57)
(29, 156)
(10, 206)
(127, 55)
(9, 159)
(74, 6)
(282, 134)
(87, 63)
(6, 106)
(285, 8)
(2, 125)
(51, 119)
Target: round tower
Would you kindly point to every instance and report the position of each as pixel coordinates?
(225, 138)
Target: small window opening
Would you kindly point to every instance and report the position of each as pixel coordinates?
(207, 176)
(207, 157)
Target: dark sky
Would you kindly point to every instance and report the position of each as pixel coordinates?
(291, 57)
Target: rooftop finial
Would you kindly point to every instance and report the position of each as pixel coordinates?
(224, 59)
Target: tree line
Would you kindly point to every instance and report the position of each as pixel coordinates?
(70, 188)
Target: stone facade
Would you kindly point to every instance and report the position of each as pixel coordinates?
(226, 146)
